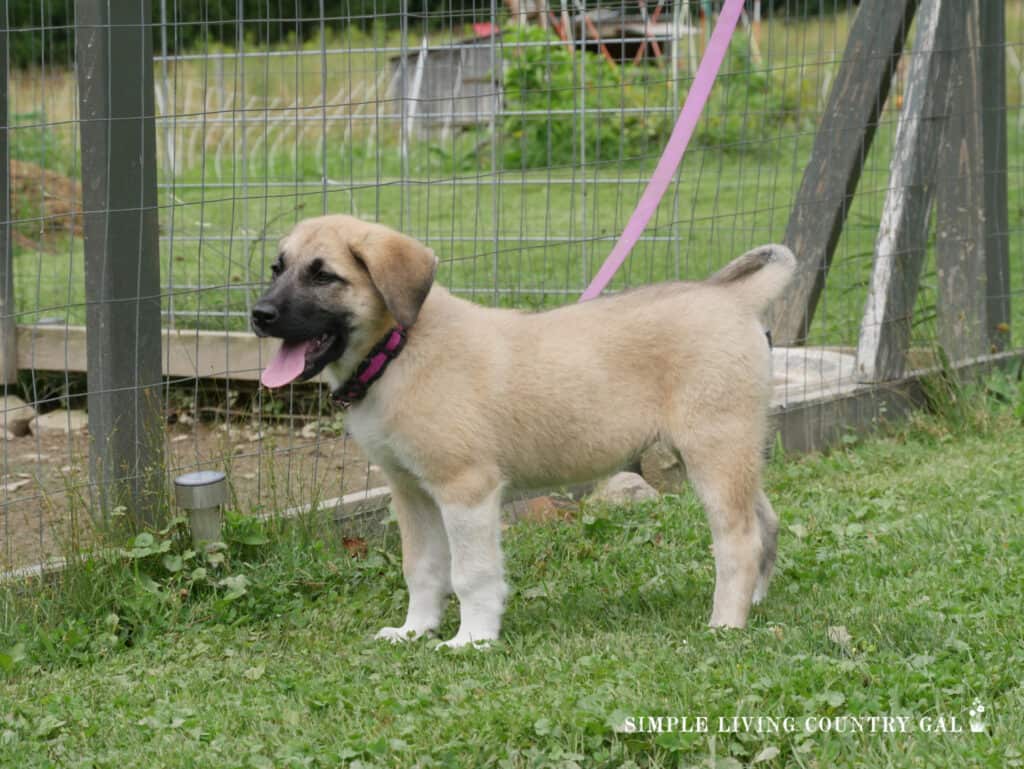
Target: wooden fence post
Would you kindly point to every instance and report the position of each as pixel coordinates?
(903, 231)
(962, 328)
(993, 129)
(114, 60)
(8, 316)
(841, 144)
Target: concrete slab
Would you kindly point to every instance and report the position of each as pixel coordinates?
(801, 374)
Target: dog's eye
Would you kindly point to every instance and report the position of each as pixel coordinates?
(276, 269)
(324, 278)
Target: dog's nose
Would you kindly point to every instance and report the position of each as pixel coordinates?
(263, 314)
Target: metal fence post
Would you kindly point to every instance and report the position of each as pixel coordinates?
(8, 319)
(114, 59)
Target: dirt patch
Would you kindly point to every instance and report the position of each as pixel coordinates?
(46, 202)
(44, 489)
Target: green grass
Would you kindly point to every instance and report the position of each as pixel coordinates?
(912, 542)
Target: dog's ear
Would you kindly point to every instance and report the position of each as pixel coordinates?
(401, 268)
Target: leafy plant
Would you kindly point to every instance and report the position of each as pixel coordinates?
(545, 92)
(564, 108)
(746, 104)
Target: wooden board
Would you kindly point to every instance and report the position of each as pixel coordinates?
(185, 353)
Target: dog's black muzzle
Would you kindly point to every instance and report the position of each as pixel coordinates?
(263, 317)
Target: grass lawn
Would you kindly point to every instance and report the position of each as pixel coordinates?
(900, 582)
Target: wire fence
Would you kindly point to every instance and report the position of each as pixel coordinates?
(512, 138)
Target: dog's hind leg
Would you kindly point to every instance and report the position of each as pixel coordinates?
(724, 465)
(426, 562)
(768, 521)
(473, 524)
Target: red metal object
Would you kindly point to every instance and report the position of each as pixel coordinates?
(653, 19)
(592, 31)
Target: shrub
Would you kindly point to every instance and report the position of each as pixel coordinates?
(542, 77)
(747, 105)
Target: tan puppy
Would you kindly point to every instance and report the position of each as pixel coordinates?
(481, 399)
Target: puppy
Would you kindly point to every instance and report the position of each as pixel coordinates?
(456, 402)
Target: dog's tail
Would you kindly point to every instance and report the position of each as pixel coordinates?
(759, 275)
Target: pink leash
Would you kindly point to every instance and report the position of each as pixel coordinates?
(674, 150)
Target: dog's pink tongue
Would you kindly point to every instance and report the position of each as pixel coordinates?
(286, 366)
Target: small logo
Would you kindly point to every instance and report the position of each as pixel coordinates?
(977, 714)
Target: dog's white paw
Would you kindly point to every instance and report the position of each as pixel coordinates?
(400, 634)
(461, 641)
(760, 590)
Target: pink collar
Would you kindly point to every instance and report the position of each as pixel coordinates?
(371, 369)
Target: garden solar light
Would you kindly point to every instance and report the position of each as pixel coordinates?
(202, 493)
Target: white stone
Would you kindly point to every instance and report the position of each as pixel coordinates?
(15, 415)
(60, 421)
(661, 468)
(11, 483)
(623, 488)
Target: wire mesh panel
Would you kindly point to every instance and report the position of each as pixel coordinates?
(513, 138)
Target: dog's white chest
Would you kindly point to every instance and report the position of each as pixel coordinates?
(376, 444)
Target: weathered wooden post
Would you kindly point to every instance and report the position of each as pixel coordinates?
(939, 154)
(993, 128)
(841, 145)
(8, 319)
(903, 231)
(114, 59)
(960, 259)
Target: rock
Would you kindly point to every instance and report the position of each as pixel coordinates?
(60, 421)
(9, 485)
(623, 488)
(661, 468)
(311, 430)
(15, 415)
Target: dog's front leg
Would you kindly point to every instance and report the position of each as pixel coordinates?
(478, 575)
(426, 563)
